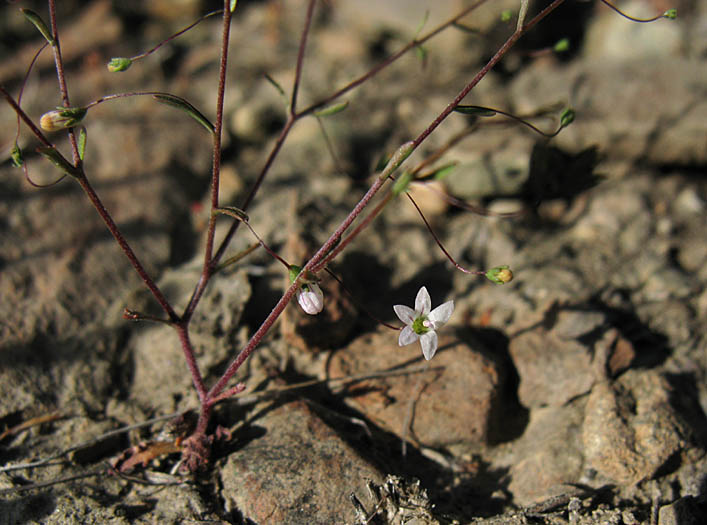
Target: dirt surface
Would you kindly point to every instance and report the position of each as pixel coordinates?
(575, 394)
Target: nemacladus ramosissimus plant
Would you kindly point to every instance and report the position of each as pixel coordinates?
(420, 323)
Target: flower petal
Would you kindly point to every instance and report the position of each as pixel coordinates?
(441, 314)
(404, 313)
(407, 336)
(429, 344)
(423, 302)
(312, 299)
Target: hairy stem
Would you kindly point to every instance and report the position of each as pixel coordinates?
(294, 117)
(59, 62)
(208, 267)
(129, 253)
(183, 332)
(330, 244)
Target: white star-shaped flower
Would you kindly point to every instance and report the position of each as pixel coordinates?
(421, 323)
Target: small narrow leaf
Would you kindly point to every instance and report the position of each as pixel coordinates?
(118, 64)
(382, 161)
(421, 24)
(671, 14)
(37, 21)
(16, 156)
(180, 103)
(441, 172)
(233, 5)
(562, 45)
(279, 89)
(402, 153)
(293, 272)
(53, 156)
(82, 142)
(421, 52)
(479, 111)
(234, 212)
(506, 15)
(332, 110)
(402, 183)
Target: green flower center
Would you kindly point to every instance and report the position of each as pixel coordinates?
(418, 327)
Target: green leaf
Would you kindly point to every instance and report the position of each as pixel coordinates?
(421, 52)
(37, 21)
(562, 45)
(402, 183)
(672, 14)
(421, 24)
(16, 156)
(53, 156)
(180, 103)
(118, 64)
(479, 111)
(279, 89)
(402, 153)
(82, 142)
(293, 272)
(441, 172)
(233, 5)
(332, 110)
(506, 15)
(234, 212)
(382, 161)
(567, 117)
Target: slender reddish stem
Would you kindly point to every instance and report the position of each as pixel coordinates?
(216, 164)
(310, 109)
(285, 299)
(115, 231)
(350, 237)
(56, 47)
(211, 261)
(183, 332)
(392, 58)
(484, 71)
(439, 243)
(334, 238)
(83, 180)
(326, 252)
(300, 57)
(28, 121)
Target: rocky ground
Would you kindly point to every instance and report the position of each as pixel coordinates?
(575, 394)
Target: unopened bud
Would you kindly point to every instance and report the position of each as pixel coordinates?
(61, 118)
(119, 64)
(500, 275)
(17, 157)
(567, 117)
(311, 298)
(562, 45)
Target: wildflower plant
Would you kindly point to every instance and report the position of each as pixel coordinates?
(421, 323)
